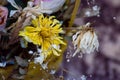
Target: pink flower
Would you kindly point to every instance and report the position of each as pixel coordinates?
(3, 17)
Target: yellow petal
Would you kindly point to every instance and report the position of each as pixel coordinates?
(55, 52)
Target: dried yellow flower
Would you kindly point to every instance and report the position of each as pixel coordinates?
(44, 32)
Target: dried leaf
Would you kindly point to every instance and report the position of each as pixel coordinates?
(21, 62)
(5, 72)
(22, 71)
(16, 27)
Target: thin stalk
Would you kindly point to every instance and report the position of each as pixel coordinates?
(73, 16)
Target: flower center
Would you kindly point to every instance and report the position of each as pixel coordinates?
(45, 32)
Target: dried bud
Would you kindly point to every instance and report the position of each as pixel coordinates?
(3, 17)
(85, 40)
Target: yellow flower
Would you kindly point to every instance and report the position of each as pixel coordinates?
(44, 31)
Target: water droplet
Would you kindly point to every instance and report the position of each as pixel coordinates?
(98, 15)
(114, 18)
(68, 53)
(34, 67)
(90, 75)
(29, 60)
(52, 72)
(68, 60)
(40, 69)
(87, 13)
(83, 77)
(30, 52)
(95, 8)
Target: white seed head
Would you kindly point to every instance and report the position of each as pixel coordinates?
(85, 40)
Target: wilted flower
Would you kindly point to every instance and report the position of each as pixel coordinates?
(3, 17)
(85, 40)
(44, 32)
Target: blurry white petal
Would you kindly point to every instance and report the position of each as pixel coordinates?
(12, 2)
(3, 64)
(30, 4)
(12, 12)
(53, 5)
(49, 6)
(52, 71)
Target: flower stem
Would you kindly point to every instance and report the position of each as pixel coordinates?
(73, 16)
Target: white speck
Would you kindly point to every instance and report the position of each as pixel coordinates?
(98, 15)
(34, 67)
(40, 69)
(30, 52)
(29, 60)
(68, 53)
(68, 60)
(114, 18)
(52, 72)
(87, 13)
(80, 56)
(95, 8)
(88, 2)
(39, 50)
(44, 66)
(83, 77)
(90, 75)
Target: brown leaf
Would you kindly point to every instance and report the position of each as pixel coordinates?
(6, 72)
(21, 62)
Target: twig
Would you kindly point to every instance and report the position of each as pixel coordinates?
(73, 16)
